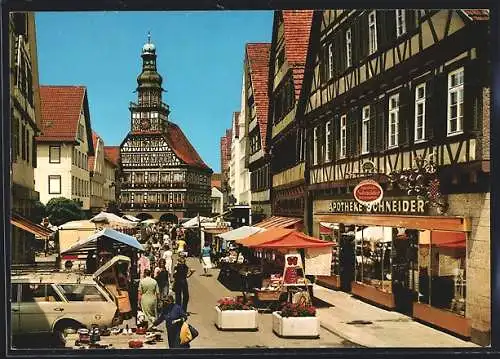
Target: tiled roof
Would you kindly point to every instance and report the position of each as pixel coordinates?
(112, 154)
(61, 107)
(258, 62)
(216, 183)
(182, 147)
(297, 30)
(236, 117)
(478, 14)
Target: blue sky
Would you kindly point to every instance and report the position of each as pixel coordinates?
(200, 56)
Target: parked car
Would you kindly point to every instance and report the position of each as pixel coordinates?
(53, 302)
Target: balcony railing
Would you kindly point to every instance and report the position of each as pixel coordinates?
(154, 185)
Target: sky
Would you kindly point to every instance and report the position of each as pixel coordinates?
(200, 57)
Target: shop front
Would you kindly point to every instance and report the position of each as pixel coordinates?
(396, 253)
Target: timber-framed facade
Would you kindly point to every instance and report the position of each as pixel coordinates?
(400, 96)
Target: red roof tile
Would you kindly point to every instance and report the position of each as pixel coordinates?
(478, 14)
(61, 107)
(112, 154)
(297, 30)
(258, 62)
(216, 183)
(182, 147)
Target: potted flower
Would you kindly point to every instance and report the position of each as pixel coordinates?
(234, 314)
(296, 320)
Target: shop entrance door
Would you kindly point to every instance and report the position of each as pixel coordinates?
(404, 263)
(346, 261)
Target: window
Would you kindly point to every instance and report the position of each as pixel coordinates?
(393, 120)
(80, 132)
(315, 148)
(330, 61)
(23, 142)
(365, 130)
(328, 132)
(343, 136)
(400, 23)
(36, 292)
(372, 32)
(54, 184)
(420, 113)
(54, 154)
(455, 102)
(82, 293)
(14, 289)
(348, 45)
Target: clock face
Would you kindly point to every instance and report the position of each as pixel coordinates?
(145, 124)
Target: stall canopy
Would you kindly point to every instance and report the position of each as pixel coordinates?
(240, 233)
(282, 238)
(279, 222)
(83, 224)
(441, 239)
(131, 218)
(119, 240)
(25, 224)
(193, 222)
(112, 219)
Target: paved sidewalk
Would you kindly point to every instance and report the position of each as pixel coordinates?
(388, 329)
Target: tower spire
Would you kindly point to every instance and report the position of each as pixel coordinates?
(149, 37)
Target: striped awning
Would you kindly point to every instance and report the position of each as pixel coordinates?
(25, 224)
(278, 222)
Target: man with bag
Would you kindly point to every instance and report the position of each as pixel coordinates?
(179, 332)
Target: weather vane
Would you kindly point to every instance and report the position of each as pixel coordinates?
(149, 37)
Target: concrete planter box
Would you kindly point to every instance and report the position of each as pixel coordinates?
(296, 327)
(236, 319)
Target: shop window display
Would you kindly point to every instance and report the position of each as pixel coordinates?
(331, 232)
(442, 275)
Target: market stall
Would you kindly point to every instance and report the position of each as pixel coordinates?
(282, 273)
(224, 241)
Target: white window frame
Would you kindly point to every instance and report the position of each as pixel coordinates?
(315, 146)
(420, 118)
(330, 60)
(53, 158)
(457, 89)
(343, 136)
(348, 45)
(51, 184)
(365, 130)
(393, 121)
(328, 133)
(400, 22)
(372, 32)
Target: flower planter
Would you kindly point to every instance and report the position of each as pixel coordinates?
(236, 319)
(296, 327)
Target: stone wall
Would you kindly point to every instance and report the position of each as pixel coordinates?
(476, 206)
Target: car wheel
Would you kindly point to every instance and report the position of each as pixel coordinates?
(63, 328)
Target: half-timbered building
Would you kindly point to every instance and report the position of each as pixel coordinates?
(291, 30)
(163, 175)
(256, 72)
(399, 99)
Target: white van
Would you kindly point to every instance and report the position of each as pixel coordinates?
(52, 302)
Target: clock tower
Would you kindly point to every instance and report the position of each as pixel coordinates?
(150, 113)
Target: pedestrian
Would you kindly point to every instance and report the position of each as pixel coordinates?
(148, 296)
(181, 245)
(174, 316)
(180, 286)
(142, 264)
(205, 257)
(167, 256)
(161, 277)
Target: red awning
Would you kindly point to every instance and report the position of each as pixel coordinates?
(25, 224)
(443, 239)
(283, 238)
(278, 222)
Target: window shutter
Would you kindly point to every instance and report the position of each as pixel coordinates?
(340, 52)
(411, 115)
(410, 19)
(439, 105)
(472, 96)
(429, 103)
(404, 117)
(390, 26)
(381, 129)
(33, 149)
(363, 35)
(323, 63)
(382, 30)
(356, 132)
(372, 140)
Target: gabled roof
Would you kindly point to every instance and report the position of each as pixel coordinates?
(258, 66)
(297, 30)
(112, 154)
(216, 183)
(182, 147)
(477, 14)
(61, 107)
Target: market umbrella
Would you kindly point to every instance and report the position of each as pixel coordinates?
(292, 240)
(262, 237)
(131, 218)
(112, 219)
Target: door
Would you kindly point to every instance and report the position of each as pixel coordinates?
(40, 307)
(346, 260)
(14, 308)
(404, 267)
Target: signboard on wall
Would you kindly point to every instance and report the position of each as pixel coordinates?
(387, 206)
(368, 192)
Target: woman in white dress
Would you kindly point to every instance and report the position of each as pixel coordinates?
(205, 258)
(167, 255)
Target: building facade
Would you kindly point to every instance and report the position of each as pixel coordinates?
(396, 108)
(112, 175)
(97, 171)
(256, 115)
(225, 158)
(64, 145)
(234, 164)
(289, 47)
(25, 123)
(163, 176)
